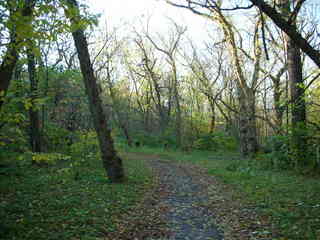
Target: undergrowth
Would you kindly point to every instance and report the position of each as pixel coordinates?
(69, 199)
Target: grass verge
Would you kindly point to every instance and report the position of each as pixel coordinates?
(67, 200)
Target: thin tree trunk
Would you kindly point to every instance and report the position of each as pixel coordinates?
(178, 107)
(111, 161)
(116, 110)
(35, 133)
(213, 116)
(277, 103)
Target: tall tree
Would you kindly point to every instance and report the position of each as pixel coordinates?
(111, 161)
(297, 88)
(35, 134)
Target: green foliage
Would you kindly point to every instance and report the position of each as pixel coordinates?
(13, 122)
(57, 138)
(277, 152)
(86, 147)
(152, 140)
(215, 142)
(48, 158)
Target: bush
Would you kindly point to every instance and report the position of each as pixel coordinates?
(86, 147)
(57, 139)
(48, 158)
(155, 141)
(277, 152)
(215, 142)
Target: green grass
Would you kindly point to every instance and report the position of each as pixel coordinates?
(64, 202)
(291, 200)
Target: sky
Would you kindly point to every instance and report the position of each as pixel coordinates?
(133, 12)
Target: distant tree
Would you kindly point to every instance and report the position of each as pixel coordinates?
(170, 48)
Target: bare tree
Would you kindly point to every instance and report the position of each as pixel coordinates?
(169, 48)
(208, 71)
(107, 62)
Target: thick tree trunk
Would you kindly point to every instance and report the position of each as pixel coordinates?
(298, 115)
(35, 133)
(247, 123)
(111, 161)
(7, 68)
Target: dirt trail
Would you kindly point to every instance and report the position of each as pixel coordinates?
(187, 203)
(186, 198)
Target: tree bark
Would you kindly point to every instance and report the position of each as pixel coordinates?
(213, 116)
(298, 115)
(247, 123)
(35, 133)
(111, 161)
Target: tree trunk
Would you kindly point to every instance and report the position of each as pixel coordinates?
(116, 108)
(178, 107)
(11, 56)
(7, 68)
(111, 161)
(35, 133)
(213, 116)
(277, 103)
(247, 123)
(298, 115)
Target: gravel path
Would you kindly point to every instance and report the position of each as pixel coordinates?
(185, 201)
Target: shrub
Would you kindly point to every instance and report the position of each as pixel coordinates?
(49, 158)
(215, 142)
(150, 140)
(86, 147)
(57, 139)
(277, 152)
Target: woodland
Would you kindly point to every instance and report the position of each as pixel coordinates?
(103, 129)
